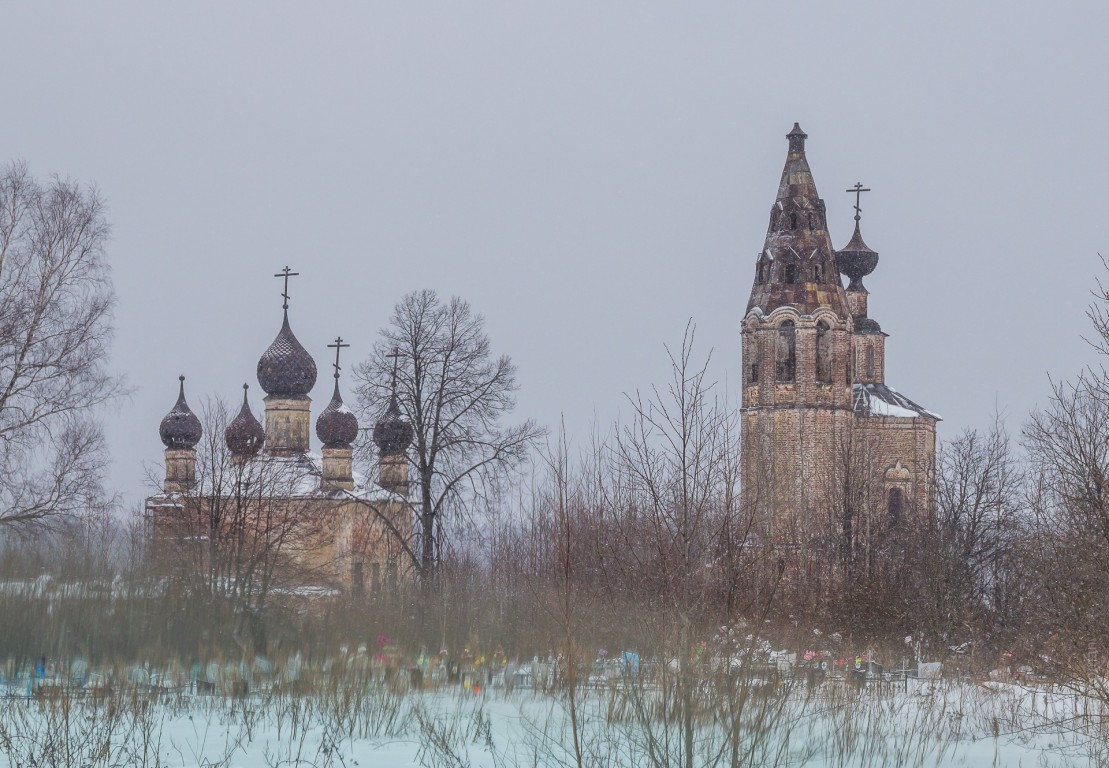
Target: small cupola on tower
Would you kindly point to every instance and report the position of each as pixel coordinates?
(337, 429)
(180, 431)
(796, 266)
(392, 436)
(287, 374)
(244, 435)
(856, 260)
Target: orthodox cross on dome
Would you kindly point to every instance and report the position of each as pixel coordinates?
(858, 189)
(338, 345)
(286, 273)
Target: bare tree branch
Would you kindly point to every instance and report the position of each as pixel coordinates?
(455, 394)
(56, 302)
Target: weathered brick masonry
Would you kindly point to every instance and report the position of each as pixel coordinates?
(830, 452)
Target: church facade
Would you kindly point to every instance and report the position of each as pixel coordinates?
(833, 456)
(270, 509)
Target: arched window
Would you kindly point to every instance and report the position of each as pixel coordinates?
(869, 361)
(786, 351)
(895, 505)
(790, 274)
(823, 353)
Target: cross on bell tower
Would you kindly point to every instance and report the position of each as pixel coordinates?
(858, 189)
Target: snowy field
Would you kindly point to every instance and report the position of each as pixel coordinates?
(918, 723)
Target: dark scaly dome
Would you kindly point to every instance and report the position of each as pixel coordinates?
(856, 260)
(337, 426)
(286, 369)
(180, 428)
(244, 435)
(392, 434)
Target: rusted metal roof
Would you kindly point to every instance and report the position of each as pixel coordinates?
(881, 400)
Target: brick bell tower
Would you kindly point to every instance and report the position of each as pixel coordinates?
(797, 409)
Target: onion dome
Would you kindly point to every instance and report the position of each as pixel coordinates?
(337, 426)
(180, 428)
(392, 434)
(856, 260)
(244, 435)
(286, 369)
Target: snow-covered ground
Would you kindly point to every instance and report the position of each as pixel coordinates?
(918, 723)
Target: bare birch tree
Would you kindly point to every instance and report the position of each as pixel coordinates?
(56, 302)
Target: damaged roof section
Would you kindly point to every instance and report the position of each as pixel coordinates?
(797, 265)
(880, 400)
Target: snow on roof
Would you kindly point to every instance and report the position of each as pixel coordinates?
(880, 400)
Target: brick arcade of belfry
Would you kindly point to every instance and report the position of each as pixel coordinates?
(832, 457)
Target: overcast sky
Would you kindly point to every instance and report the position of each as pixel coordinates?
(588, 175)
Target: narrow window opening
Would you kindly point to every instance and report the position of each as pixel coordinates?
(870, 362)
(791, 273)
(786, 352)
(754, 373)
(896, 505)
(823, 353)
